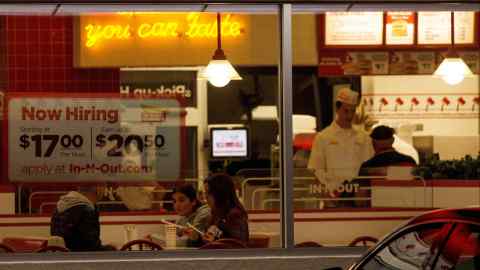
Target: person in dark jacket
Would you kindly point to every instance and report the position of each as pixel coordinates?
(76, 220)
(229, 219)
(385, 154)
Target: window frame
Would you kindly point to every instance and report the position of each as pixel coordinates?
(285, 10)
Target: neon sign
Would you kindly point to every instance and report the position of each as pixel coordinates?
(158, 29)
(111, 31)
(200, 30)
(194, 28)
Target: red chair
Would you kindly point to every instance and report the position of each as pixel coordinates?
(365, 241)
(20, 244)
(140, 244)
(52, 249)
(6, 249)
(224, 243)
(308, 244)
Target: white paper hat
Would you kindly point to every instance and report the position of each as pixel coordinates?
(347, 96)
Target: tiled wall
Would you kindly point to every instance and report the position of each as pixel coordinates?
(36, 54)
(3, 54)
(3, 82)
(40, 58)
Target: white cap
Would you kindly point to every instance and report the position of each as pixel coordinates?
(347, 96)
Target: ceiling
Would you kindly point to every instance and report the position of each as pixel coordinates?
(305, 7)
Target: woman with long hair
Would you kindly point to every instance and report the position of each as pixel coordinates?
(229, 218)
(191, 212)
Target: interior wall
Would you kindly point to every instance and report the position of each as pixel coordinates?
(39, 51)
(257, 44)
(3, 54)
(36, 55)
(3, 76)
(421, 106)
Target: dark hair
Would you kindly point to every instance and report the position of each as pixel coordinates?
(189, 191)
(221, 187)
(382, 133)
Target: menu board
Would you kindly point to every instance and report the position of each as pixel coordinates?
(404, 62)
(353, 28)
(400, 28)
(434, 28)
(464, 27)
(366, 63)
(472, 60)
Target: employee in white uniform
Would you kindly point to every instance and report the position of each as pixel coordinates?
(339, 150)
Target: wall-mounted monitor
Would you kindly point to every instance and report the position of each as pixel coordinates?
(229, 143)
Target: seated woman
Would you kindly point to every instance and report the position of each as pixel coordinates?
(229, 218)
(192, 212)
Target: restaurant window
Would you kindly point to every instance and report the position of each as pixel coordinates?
(112, 102)
(377, 137)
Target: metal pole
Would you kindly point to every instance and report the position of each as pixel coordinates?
(219, 31)
(452, 30)
(286, 141)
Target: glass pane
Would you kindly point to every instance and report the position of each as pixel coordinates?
(462, 249)
(114, 111)
(412, 250)
(379, 138)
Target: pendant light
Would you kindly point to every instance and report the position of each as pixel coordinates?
(219, 72)
(452, 69)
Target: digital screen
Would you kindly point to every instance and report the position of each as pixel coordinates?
(229, 143)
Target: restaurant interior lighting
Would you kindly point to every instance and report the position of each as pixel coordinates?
(452, 70)
(219, 72)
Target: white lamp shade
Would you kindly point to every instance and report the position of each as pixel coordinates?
(452, 70)
(219, 73)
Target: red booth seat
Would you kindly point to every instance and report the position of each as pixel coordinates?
(21, 244)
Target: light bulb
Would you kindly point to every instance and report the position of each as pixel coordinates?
(219, 81)
(452, 70)
(453, 78)
(220, 72)
(217, 74)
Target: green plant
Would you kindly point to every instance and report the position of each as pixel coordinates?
(464, 168)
